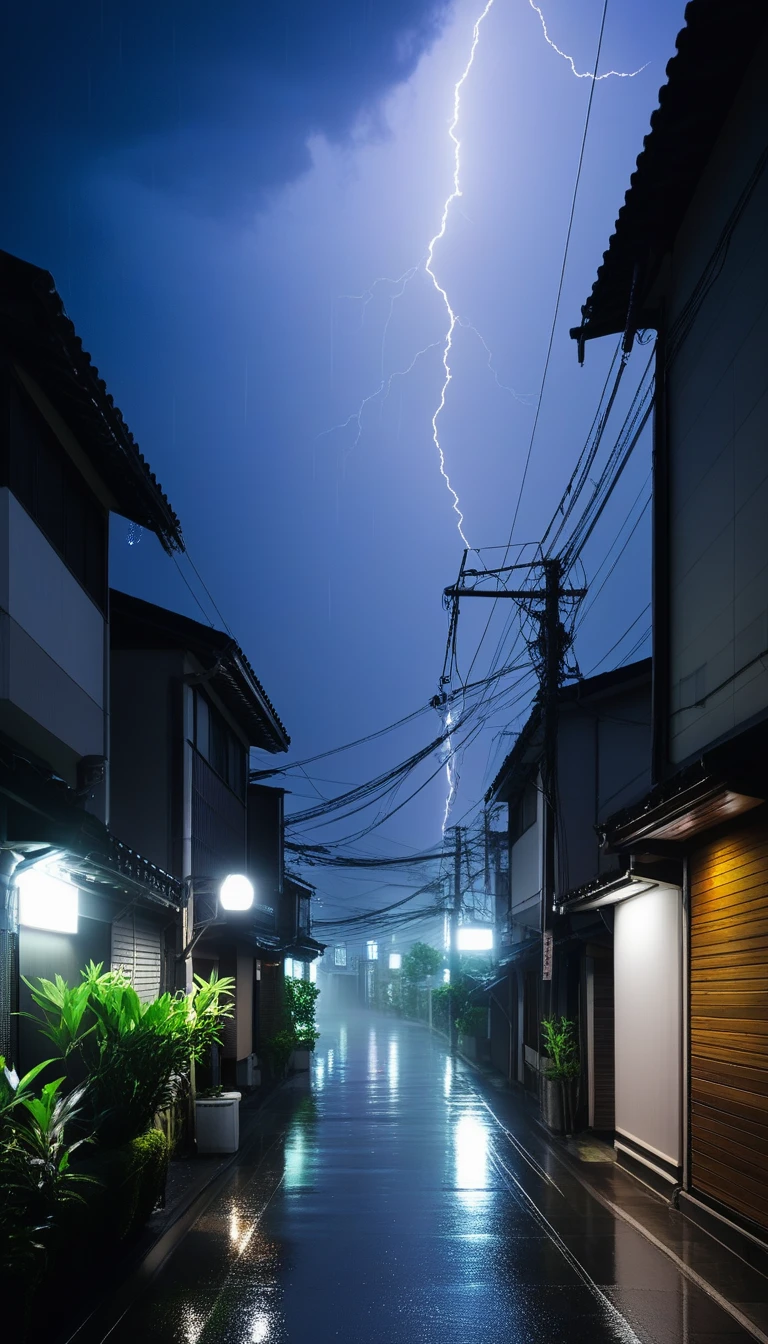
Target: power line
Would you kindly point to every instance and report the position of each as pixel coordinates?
(593, 83)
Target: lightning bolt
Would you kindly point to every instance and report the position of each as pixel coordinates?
(584, 74)
(452, 318)
(451, 764)
(399, 284)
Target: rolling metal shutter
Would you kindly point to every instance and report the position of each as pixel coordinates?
(729, 1020)
(137, 948)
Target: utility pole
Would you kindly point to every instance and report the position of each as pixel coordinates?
(453, 948)
(552, 645)
(551, 677)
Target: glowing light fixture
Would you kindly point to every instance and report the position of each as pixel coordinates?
(474, 939)
(47, 901)
(395, 961)
(236, 892)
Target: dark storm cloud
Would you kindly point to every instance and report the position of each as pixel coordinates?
(210, 98)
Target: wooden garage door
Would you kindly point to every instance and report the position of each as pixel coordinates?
(729, 1020)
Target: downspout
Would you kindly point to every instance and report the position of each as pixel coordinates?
(660, 567)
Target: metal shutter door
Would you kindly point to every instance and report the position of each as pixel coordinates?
(729, 1021)
(137, 949)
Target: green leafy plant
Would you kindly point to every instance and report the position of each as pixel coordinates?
(36, 1175)
(561, 1048)
(420, 961)
(301, 1005)
(278, 1050)
(136, 1056)
(471, 1020)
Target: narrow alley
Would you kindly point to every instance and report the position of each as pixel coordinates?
(384, 1200)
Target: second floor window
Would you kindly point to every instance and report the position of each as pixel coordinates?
(216, 742)
(339, 956)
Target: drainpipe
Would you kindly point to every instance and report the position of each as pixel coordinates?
(9, 955)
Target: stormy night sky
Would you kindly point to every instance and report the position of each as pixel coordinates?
(225, 195)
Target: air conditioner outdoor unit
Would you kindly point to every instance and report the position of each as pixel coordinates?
(248, 1072)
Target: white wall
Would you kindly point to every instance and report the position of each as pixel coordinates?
(525, 875)
(718, 428)
(647, 944)
(52, 649)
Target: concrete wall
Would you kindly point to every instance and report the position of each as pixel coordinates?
(718, 427)
(604, 760)
(648, 1021)
(52, 649)
(142, 765)
(525, 875)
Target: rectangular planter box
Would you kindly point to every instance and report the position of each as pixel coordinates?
(217, 1123)
(300, 1060)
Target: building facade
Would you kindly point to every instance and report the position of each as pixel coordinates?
(602, 757)
(688, 261)
(67, 462)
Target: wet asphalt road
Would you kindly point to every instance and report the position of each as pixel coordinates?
(385, 1204)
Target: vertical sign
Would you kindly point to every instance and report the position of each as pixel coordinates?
(546, 956)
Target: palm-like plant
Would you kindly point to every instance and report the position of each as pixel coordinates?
(136, 1055)
(35, 1174)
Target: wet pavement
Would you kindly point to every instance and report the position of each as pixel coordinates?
(384, 1202)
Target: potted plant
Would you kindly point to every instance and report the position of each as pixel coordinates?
(560, 1074)
(300, 1002)
(217, 1121)
(468, 1024)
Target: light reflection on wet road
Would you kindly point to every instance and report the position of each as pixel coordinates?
(385, 1204)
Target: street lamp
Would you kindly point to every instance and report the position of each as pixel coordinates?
(236, 892)
(477, 938)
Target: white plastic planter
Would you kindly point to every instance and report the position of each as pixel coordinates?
(217, 1123)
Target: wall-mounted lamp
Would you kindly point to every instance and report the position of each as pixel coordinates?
(47, 901)
(395, 961)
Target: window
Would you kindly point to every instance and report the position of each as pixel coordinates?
(44, 479)
(217, 743)
(523, 815)
(373, 951)
(339, 956)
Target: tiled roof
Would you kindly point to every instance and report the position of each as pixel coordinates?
(36, 333)
(714, 50)
(136, 624)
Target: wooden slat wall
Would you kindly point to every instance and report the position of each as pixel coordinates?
(729, 1020)
(605, 1058)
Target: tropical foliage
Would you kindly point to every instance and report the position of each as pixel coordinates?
(561, 1048)
(36, 1175)
(136, 1056)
